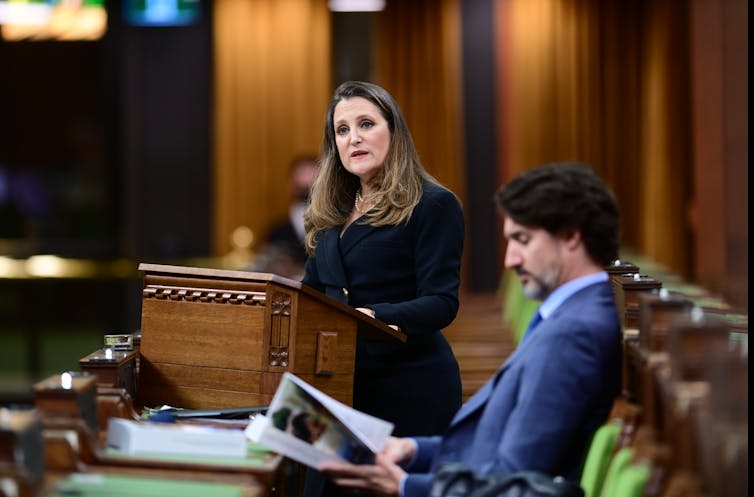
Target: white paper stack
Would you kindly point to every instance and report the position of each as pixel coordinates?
(143, 438)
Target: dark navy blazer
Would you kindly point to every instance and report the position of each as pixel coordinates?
(409, 275)
(541, 408)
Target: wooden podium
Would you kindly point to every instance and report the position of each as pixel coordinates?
(216, 338)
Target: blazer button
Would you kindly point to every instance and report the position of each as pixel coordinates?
(345, 292)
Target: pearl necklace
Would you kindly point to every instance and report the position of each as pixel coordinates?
(359, 201)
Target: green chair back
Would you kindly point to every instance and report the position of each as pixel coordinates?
(620, 461)
(598, 458)
(632, 481)
(517, 308)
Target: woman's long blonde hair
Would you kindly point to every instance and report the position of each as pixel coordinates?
(398, 185)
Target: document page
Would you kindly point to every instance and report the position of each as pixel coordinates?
(311, 427)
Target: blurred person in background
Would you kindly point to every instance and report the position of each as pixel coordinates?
(284, 251)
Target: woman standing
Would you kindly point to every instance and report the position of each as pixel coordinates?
(385, 237)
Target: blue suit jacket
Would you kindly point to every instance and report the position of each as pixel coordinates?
(540, 409)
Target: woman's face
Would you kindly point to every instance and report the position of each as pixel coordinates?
(362, 135)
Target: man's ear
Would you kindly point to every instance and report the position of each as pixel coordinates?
(572, 238)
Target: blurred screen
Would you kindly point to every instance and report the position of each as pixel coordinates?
(52, 19)
(161, 12)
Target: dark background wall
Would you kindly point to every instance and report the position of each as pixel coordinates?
(162, 131)
(106, 144)
(480, 130)
(105, 156)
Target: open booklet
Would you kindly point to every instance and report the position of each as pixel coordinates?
(311, 427)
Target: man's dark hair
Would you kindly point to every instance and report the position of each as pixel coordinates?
(561, 197)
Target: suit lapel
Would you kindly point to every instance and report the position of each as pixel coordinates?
(353, 235)
(330, 259)
(479, 399)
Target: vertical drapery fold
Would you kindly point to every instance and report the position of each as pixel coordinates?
(417, 59)
(666, 135)
(605, 83)
(271, 89)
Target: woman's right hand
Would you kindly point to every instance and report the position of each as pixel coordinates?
(369, 312)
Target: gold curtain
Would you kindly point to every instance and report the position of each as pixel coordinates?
(272, 87)
(604, 83)
(417, 59)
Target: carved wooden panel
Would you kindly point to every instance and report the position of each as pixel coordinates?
(280, 329)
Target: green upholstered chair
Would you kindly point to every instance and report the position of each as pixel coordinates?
(631, 481)
(620, 461)
(517, 308)
(598, 458)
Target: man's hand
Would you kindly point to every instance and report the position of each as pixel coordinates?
(382, 478)
(399, 450)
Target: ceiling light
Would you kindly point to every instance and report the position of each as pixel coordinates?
(356, 5)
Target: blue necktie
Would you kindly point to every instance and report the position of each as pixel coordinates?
(535, 320)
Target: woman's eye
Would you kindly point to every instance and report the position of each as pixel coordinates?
(341, 130)
(367, 124)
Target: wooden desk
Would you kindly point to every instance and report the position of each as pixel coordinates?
(220, 339)
(214, 338)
